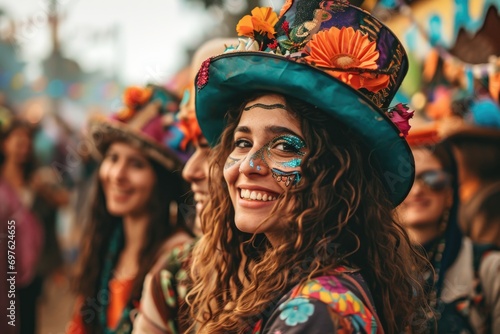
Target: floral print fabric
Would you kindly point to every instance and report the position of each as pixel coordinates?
(327, 304)
(163, 299)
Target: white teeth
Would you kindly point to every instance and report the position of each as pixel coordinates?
(256, 196)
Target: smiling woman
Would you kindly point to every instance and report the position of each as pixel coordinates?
(308, 166)
(127, 179)
(274, 148)
(131, 223)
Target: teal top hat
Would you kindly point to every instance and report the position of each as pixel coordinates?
(330, 54)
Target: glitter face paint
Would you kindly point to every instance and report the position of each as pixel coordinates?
(290, 178)
(281, 153)
(230, 162)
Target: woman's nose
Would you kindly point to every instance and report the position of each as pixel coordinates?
(254, 163)
(117, 171)
(193, 170)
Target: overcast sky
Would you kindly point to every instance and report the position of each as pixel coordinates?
(151, 34)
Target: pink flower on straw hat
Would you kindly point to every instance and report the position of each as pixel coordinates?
(400, 116)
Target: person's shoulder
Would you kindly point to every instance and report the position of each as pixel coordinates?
(174, 252)
(325, 302)
(338, 291)
(490, 262)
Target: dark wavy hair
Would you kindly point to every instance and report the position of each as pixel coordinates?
(339, 214)
(99, 226)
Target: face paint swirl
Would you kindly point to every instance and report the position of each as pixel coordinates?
(281, 155)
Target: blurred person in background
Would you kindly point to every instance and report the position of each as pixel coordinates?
(477, 150)
(22, 234)
(429, 213)
(133, 209)
(159, 314)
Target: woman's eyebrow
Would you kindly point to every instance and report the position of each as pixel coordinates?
(243, 129)
(276, 129)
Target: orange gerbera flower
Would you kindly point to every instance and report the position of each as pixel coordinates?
(261, 21)
(344, 49)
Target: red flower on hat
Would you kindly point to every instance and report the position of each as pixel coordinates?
(339, 50)
(261, 21)
(400, 116)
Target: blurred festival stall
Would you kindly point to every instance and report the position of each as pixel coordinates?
(454, 50)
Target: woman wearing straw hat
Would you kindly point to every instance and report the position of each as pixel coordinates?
(132, 217)
(162, 303)
(308, 167)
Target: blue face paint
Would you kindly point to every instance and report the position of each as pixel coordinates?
(284, 151)
(294, 163)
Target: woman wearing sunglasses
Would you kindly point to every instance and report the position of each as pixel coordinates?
(430, 215)
(425, 211)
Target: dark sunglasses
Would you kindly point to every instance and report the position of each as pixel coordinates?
(435, 180)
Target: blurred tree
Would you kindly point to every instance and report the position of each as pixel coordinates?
(12, 81)
(229, 12)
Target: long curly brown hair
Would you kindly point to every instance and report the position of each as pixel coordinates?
(341, 215)
(100, 224)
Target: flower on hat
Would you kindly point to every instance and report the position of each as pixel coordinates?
(191, 130)
(348, 55)
(400, 116)
(133, 98)
(286, 6)
(260, 23)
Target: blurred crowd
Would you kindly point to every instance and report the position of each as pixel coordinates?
(111, 215)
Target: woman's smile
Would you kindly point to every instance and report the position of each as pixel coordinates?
(263, 147)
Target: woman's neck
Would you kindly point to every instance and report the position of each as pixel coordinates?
(134, 230)
(13, 174)
(423, 234)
